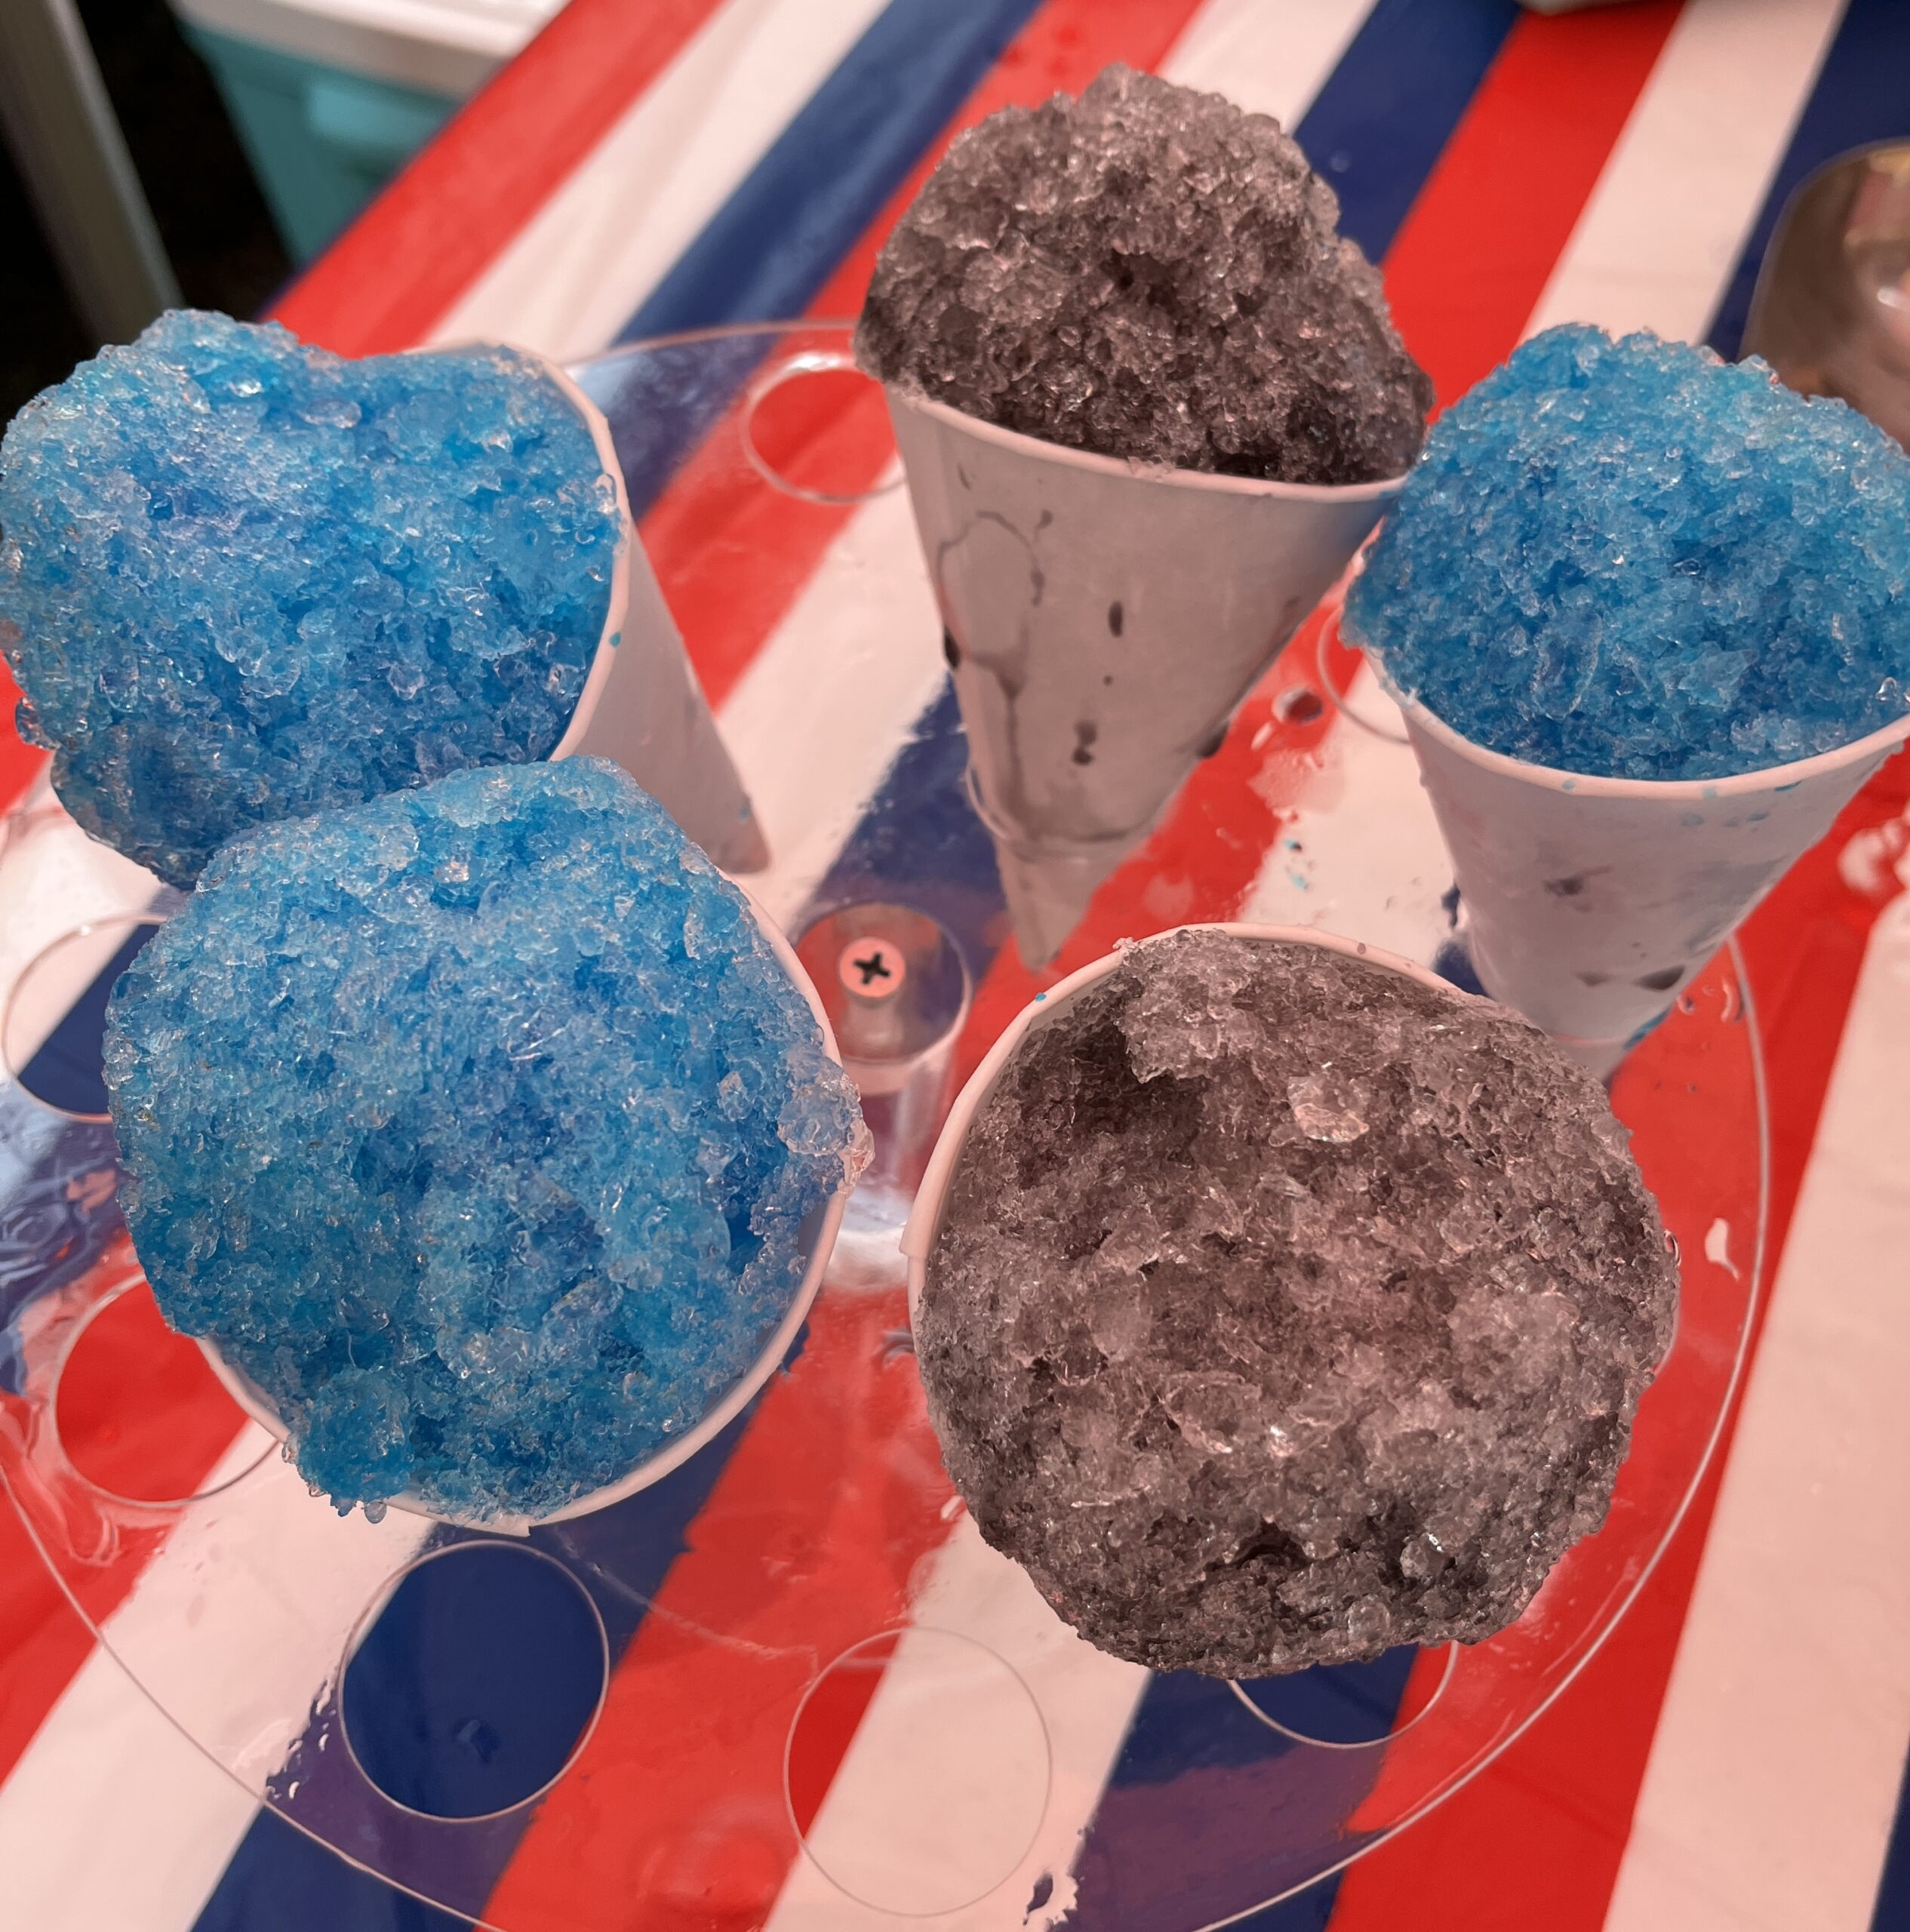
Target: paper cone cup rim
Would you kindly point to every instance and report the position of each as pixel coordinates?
(925, 1218)
(653, 1469)
(1667, 791)
(615, 611)
(1037, 448)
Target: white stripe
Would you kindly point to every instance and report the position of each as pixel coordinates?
(1665, 227)
(877, 1807)
(1775, 1765)
(150, 1823)
(582, 265)
(818, 717)
(1777, 1757)
(111, 1817)
(1269, 56)
(53, 878)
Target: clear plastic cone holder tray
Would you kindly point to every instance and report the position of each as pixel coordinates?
(786, 1685)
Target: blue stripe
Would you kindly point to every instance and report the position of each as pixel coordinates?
(1382, 121)
(54, 1223)
(278, 1880)
(1863, 95)
(768, 250)
(65, 1071)
(1186, 1726)
(660, 405)
(778, 238)
(1892, 1911)
(56, 1218)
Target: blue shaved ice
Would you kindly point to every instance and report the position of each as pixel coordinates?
(1630, 559)
(243, 580)
(478, 1126)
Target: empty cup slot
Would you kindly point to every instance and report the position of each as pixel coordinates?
(1349, 1706)
(815, 427)
(917, 1772)
(139, 1415)
(894, 983)
(1363, 704)
(896, 988)
(474, 1680)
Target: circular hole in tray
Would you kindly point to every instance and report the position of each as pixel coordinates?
(1350, 1706)
(965, 1814)
(815, 427)
(140, 1417)
(1370, 708)
(893, 982)
(56, 1015)
(473, 1680)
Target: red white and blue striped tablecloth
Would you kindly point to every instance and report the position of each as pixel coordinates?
(1733, 1758)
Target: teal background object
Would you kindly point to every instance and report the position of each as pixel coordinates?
(322, 140)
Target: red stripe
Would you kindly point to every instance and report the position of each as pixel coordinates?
(1469, 263)
(153, 1442)
(385, 283)
(730, 556)
(20, 763)
(1537, 1838)
(1674, 1094)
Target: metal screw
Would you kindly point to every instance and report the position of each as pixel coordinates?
(873, 968)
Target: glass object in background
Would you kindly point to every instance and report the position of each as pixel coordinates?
(1832, 313)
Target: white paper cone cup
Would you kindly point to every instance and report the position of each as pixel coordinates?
(931, 1197)
(1050, 885)
(642, 705)
(1048, 893)
(1106, 618)
(818, 1233)
(1594, 901)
